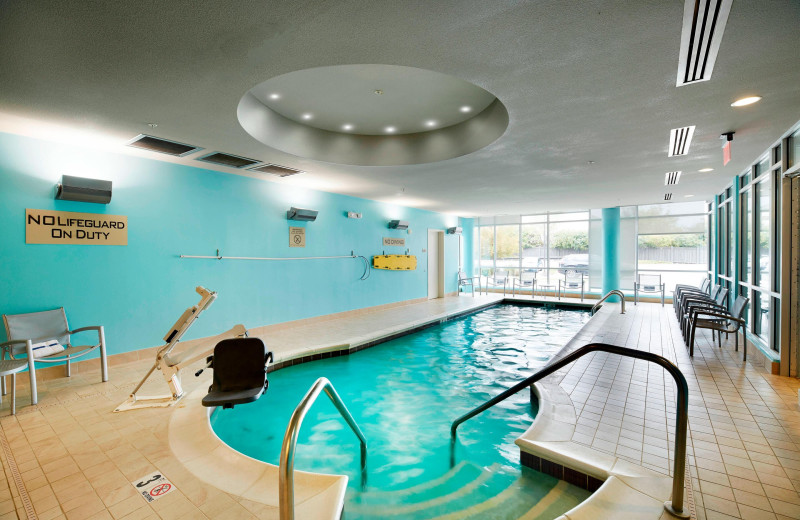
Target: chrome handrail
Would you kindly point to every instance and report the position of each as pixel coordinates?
(286, 476)
(607, 296)
(675, 506)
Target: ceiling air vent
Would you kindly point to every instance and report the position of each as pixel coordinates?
(672, 178)
(274, 169)
(157, 144)
(703, 24)
(226, 159)
(679, 140)
(668, 196)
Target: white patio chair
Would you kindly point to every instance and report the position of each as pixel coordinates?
(44, 337)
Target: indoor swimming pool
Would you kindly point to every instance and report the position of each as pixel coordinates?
(404, 394)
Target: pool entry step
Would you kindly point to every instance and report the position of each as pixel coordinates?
(469, 491)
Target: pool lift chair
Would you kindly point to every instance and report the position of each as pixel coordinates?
(170, 364)
(648, 283)
(240, 372)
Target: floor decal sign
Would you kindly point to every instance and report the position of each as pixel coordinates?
(153, 486)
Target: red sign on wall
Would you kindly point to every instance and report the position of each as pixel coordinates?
(726, 153)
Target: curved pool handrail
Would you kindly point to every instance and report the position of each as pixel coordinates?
(674, 507)
(286, 473)
(607, 296)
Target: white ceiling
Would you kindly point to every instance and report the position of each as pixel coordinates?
(582, 81)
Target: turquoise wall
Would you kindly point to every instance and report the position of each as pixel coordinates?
(467, 245)
(611, 228)
(138, 291)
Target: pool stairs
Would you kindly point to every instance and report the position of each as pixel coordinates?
(468, 491)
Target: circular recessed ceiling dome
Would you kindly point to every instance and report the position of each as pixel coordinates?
(372, 115)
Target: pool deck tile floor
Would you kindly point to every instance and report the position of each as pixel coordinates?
(75, 459)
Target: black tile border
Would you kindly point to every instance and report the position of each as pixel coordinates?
(549, 305)
(559, 471)
(362, 346)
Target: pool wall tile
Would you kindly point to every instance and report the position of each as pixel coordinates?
(553, 469)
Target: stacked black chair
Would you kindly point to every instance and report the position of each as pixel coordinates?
(717, 318)
(692, 305)
(681, 289)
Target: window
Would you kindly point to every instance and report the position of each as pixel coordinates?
(507, 240)
(672, 242)
(548, 245)
(794, 149)
(487, 250)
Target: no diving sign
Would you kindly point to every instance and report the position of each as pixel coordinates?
(297, 237)
(153, 486)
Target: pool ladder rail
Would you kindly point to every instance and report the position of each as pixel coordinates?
(673, 507)
(609, 294)
(286, 471)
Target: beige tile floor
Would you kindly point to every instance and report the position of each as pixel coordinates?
(75, 458)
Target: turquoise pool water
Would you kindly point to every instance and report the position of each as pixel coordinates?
(404, 394)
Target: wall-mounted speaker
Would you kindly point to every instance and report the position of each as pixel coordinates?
(81, 189)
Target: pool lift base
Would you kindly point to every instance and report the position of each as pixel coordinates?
(170, 365)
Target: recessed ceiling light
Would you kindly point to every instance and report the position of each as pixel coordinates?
(746, 101)
(307, 116)
(704, 170)
(274, 96)
(390, 129)
(430, 123)
(465, 109)
(688, 196)
(347, 127)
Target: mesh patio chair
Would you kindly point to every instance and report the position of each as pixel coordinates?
(500, 278)
(648, 283)
(572, 280)
(468, 281)
(526, 280)
(44, 337)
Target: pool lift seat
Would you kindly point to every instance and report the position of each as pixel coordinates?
(240, 372)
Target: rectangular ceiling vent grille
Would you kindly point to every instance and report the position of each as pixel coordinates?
(679, 140)
(703, 24)
(668, 196)
(157, 144)
(275, 169)
(226, 159)
(672, 178)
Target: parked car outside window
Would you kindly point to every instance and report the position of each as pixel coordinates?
(572, 264)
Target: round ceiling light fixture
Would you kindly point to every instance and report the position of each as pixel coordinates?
(743, 102)
(274, 96)
(433, 116)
